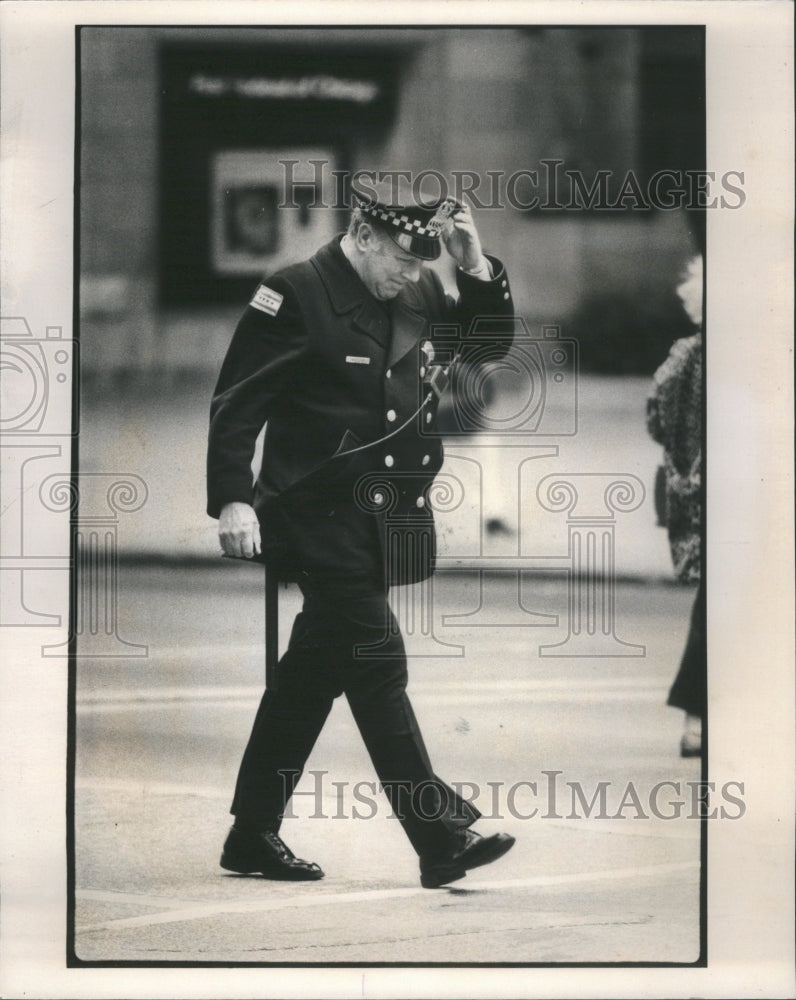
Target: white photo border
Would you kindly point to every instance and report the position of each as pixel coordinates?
(750, 560)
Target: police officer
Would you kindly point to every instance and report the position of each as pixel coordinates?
(343, 358)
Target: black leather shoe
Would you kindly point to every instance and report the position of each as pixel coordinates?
(469, 850)
(265, 852)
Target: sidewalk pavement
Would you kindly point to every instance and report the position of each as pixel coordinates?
(158, 741)
(570, 890)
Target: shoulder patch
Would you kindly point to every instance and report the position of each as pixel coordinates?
(267, 300)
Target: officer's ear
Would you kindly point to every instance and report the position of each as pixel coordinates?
(367, 239)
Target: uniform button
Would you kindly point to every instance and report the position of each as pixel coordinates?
(378, 498)
(420, 502)
(388, 373)
(391, 415)
(506, 295)
(426, 459)
(422, 371)
(428, 417)
(389, 461)
(503, 283)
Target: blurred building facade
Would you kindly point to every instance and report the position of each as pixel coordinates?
(184, 134)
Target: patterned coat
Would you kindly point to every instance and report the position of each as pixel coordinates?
(674, 419)
(342, 382)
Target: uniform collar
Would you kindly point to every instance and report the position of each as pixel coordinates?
(347, 293)
(342, 282)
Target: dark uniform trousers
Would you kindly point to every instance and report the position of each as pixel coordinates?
(328, 656)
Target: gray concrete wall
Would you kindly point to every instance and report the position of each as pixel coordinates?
(475, 100)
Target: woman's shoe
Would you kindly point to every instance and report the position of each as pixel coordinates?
(691, 741)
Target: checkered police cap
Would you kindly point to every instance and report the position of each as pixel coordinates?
(415, 228)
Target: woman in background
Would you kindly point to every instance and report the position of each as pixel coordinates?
(674, 419)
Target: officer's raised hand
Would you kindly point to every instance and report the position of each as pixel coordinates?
(239, 530)
(462, 241)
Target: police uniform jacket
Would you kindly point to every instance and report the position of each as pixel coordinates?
(347, 387)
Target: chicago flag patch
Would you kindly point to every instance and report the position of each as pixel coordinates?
(267, 300)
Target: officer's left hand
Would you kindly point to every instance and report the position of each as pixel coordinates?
(239, 530)
(462, 241)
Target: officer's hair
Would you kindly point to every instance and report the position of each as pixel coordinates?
(358, 217)
(356, 220)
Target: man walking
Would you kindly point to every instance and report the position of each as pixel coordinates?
(344, 357)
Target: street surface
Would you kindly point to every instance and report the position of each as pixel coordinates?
(159, 739)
